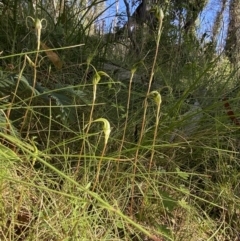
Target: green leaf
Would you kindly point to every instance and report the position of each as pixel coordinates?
(181, 174)
(168, 202)
(184, 204)
(6, 154)
(164, 230)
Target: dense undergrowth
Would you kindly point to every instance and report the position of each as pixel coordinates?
(90, 152)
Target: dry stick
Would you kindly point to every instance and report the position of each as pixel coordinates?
(230, 112)
(160, 19)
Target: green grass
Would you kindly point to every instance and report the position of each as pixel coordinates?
(96, 157)
(51, 188)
